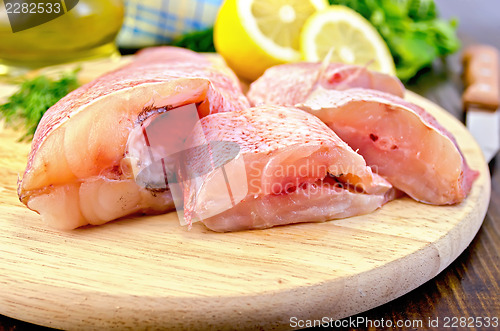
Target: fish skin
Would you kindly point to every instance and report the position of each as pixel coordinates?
(272, 138)
(147, 68)
(446, 180)
(166, 69)
(289, 84)
(312, 203)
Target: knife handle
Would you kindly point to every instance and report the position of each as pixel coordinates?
(481, 77)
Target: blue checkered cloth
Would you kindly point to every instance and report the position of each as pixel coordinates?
(158, 22)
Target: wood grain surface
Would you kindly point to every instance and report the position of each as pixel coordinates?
(469, 287)
(150, 272)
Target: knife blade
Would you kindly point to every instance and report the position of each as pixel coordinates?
(481, 97)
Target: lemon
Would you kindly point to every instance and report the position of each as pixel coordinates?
(350, 38)
(253, 35)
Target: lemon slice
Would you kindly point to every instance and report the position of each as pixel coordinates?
(253, 35)
(350, 38)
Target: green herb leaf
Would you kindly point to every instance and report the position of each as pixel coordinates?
(412, 30)
(198, 41)
(26, 107)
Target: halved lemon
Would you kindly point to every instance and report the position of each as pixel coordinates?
(349, 36)
(253, 35)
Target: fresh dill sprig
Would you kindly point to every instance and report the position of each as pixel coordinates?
(26, 107)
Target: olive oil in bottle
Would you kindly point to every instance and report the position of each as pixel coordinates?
(81, 29)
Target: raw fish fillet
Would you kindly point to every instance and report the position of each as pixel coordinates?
(296, 170)
(289, 84)
(404, 143)
(77, 171)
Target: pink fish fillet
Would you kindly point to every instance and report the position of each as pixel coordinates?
(400, 140)
(289, 84)
(77, 171)
(295, 169)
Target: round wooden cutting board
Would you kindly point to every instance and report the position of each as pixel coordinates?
(149, 272)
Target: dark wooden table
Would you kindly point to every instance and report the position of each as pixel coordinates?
(469, 288)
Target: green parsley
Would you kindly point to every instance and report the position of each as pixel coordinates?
(412, 30)
(198, 41)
